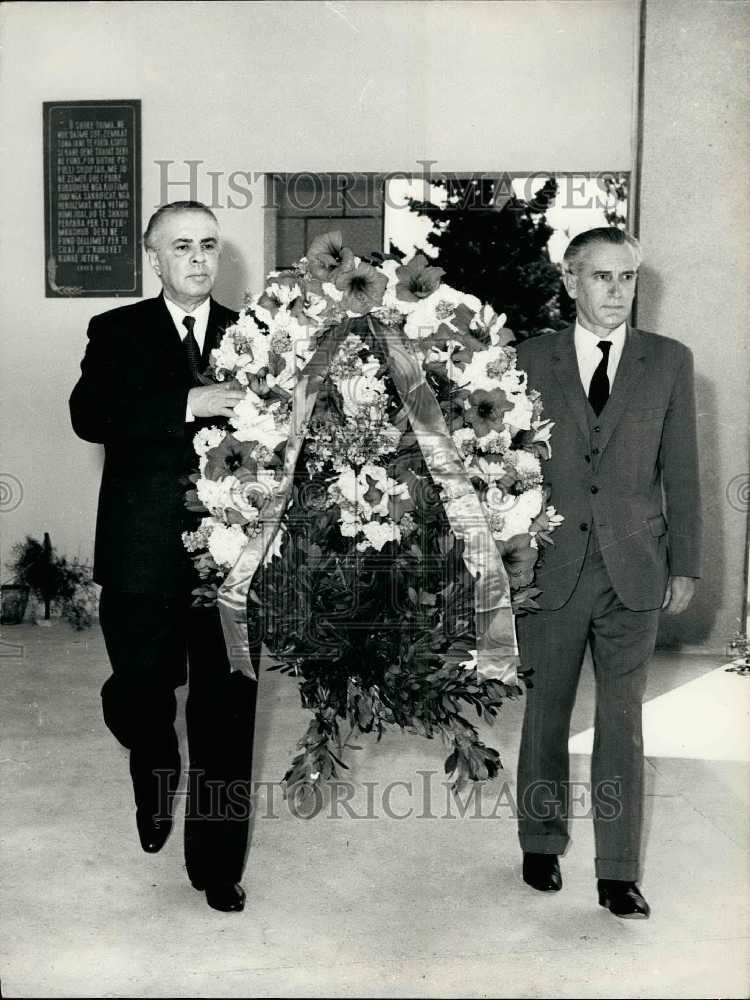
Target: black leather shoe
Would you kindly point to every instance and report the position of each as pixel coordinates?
(624, 899)
(153, 833)
(229, 897)
(542, 872)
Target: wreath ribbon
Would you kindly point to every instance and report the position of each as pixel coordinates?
(497, 654)
(496, 645)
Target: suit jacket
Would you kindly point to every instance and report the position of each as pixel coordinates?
(131, 398)
(630, 475)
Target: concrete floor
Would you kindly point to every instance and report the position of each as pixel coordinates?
(338, 905)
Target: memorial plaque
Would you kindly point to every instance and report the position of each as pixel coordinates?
(92, 198)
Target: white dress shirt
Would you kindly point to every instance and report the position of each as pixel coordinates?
(200, 315)
(588, 354)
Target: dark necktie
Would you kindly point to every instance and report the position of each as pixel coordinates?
(192, 351)
(599, 388)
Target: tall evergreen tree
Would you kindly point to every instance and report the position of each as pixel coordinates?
(493, 244)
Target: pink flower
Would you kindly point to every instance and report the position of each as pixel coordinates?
(231, 458)
(486, 409)
(363, 288)
(328, 258)
(417, 279)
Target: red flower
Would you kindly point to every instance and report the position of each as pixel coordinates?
(417, 279)
(363, 288)
(328, 258)
(231, 457)
(486, 409)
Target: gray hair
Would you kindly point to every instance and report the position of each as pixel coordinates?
(171, 209)
(603, 234)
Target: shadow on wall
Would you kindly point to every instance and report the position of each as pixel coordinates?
(694, 627)
(233, 279)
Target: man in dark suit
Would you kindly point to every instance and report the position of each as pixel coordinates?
(139, 396)
(624, 473)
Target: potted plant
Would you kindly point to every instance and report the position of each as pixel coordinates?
(14, 598)
(54, 581)
(79, 595)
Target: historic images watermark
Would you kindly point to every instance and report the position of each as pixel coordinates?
(738, 492)
(11, 492)
(320, 193)
(428, 796)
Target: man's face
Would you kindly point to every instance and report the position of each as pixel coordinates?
(186, 256)
(603, 286)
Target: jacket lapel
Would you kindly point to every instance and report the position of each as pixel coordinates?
(629, 374)
(565, 367)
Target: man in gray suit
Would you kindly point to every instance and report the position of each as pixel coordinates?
(624, 473)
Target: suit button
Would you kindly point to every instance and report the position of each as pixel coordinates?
(594, 451)
(597, 428)
(594, 489)
(583, 527)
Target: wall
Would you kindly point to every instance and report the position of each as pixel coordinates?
(260, 87)
(379, 86)
(696, 283)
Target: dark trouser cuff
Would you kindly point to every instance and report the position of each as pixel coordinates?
(535, 843)
(623, 871)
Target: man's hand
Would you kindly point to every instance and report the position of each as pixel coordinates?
(680, 590)
(216, 400)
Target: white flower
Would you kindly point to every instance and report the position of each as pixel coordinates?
(195, 540)
(215, 495)
(208, 438)
(249, 497)
(542, 435)
(487, 469)
(555, 519)
(348, 523)
(349, 492)
(489, 323)
(225, 544)
(427, 314)
(330, 290)
(254, 422)
(346, 487)
(446, 356)
(447, 295)
(283, 294)
(519, 516)
(316, 305)
(495, 442)
(389, 268)
(465, 440)
(377, 534)
(520, 416)
(360, 390)
(486, 369)
(526, 464)
(242, 347)
(225, 355)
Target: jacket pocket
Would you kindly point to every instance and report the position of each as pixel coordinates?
(657, 526)
(647, 413)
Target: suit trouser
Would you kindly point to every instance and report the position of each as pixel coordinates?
(553, 644)
(148, 638)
